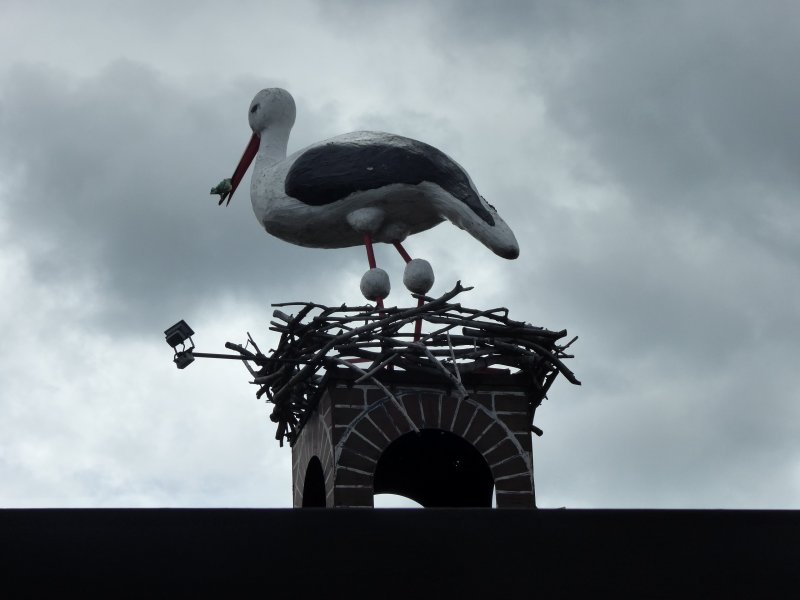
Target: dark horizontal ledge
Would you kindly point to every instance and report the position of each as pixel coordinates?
(401, 553)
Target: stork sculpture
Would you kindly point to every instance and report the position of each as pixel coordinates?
(359, 188)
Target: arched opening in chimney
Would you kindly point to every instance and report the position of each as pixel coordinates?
(436, 469)
(314, 485)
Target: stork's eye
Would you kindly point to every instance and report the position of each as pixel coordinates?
(254, 108)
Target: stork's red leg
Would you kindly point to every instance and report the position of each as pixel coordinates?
(371, 260)
(370, 252)
(418, 323)
(402, 252)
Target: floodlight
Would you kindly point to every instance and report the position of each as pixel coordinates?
(183, 359)
(179, 333)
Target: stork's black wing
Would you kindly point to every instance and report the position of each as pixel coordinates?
(335, 169)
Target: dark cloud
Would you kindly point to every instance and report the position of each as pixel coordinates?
(682, 98)
(684, 290)
(111, 175)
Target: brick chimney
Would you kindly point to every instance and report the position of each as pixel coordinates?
(419, 439)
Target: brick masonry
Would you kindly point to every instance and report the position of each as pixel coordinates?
(353, 424)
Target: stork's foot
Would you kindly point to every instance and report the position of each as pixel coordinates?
(375, 284)
(418, 276)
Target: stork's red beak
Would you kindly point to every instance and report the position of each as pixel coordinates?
(244, 164)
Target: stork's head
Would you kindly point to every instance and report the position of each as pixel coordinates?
(271, 113)
(272, 108)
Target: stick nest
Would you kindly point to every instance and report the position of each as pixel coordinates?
(460, 341)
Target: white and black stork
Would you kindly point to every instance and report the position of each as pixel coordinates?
(359, 188)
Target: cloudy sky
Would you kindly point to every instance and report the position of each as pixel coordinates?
(646, 154)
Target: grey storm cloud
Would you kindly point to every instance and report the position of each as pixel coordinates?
(112, 174)
(686, 293)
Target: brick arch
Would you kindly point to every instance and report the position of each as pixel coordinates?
(494, 433)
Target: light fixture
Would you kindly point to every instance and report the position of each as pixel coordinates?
(177, 335)
(180, 333)
(183, 359)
